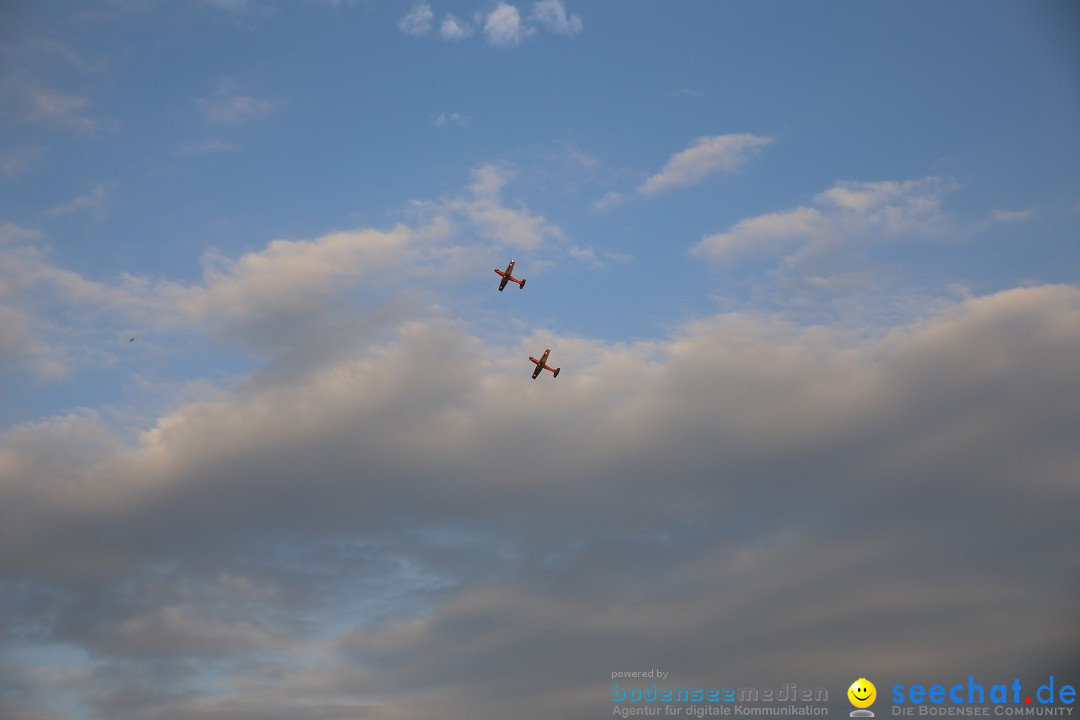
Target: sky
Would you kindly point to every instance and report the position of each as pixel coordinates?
(269, 446)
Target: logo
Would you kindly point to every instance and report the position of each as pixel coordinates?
(862, 695)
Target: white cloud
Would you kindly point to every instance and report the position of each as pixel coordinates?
(17, 161)
(515, 227)
(552, 15)
(703, 157)
(419, 21)
(585, 254)
(266, 301)
(608, 201)
(1009, 216)
(273, 299)
(756, 232)
(61, 108)
(34, 103)
(848, 210)
(451, 119)
(229, 105)
(206, 147)
(96, 202)
(20, 345)
(40, 51)
(588, 256)
(453, 28)
(12, 232)
(14, 333)
(231, 5)
(503, 26)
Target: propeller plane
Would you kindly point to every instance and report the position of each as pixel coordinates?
(507, 277)
(542, 365)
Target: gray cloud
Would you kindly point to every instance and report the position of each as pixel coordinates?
(728, 503)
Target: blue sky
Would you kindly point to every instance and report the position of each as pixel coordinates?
(163, 131)
(801, 263)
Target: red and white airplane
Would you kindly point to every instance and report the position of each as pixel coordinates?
(542, 365)
(506, 277)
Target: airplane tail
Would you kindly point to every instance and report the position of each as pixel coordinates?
(555, 372)
(522, 284)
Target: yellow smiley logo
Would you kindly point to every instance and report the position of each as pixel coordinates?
(862, 693)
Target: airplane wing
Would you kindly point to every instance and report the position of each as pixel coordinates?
(539, 369)
(506, 279)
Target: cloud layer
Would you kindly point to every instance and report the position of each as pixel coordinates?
(744, 481)
(400, 524)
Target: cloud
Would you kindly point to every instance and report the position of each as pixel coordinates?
(60, 108)
(266, 302)
(608, 201)
(231, 5)
(848, 210)
(95, 202)
(588, 255)
(503, 26)
(14, 335)
(703, 157)
(12, 232)
(182, 629)
(342, 536)
(1009, 216)
(453, 28)
(486, 210)
(25, 342)
(41, 52)
(272, 302)
(206, 147)
(451, 119)
(584, 254)
(359, 544)
(34, 103)
(228, 105)
(361, 548)
(419, 21)
(21, 348)
(552, 15)
(17, 161)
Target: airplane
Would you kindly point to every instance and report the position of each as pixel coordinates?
(506, 277)
(542, 365)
